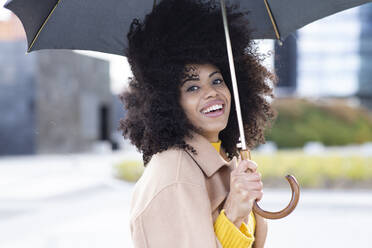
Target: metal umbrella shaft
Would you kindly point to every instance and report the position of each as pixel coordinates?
(233, 76)
(245, 154)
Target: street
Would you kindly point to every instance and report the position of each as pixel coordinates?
(54, 201)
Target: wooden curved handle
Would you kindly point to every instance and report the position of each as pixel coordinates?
(288, 209)
(245, 154)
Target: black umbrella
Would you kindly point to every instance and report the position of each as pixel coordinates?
(100, 26)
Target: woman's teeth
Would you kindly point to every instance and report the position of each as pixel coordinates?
(212, 108)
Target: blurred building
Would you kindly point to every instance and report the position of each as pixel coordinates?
(321, 59)
(50, 101)
(365, 51)
(285, 64)
(328, 56)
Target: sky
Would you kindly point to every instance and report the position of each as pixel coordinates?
(4, 13)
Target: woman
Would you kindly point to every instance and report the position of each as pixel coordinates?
(180, 114)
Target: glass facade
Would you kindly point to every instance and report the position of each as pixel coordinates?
(328, 55)
(365, 51)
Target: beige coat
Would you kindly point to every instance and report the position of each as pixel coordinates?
(178, 198)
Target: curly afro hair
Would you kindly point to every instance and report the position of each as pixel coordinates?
(181, 32)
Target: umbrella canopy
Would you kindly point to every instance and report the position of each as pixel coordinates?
(101, 25)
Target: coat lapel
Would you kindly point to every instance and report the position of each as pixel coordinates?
(216, 170)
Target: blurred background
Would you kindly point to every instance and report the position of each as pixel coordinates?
(67, 174)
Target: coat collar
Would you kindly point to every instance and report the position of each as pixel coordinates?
(207, 157)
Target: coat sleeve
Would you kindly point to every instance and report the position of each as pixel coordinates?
(178, 216)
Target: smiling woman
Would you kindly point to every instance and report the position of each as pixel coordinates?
(193, 192)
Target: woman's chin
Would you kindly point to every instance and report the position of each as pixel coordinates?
(214, 130)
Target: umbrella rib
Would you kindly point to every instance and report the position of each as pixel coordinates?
(273, 22)
(42, 26)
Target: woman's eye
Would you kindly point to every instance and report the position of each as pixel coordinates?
(217, 81)
(192, 88)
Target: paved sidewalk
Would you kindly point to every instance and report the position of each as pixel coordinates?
(75, 202)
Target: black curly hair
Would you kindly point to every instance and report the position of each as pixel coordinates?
(181, 32)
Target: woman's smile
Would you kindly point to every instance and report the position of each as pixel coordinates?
(214, 109)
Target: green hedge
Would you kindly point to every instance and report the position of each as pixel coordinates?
(330, 171)
(300, 121)
(129, 170)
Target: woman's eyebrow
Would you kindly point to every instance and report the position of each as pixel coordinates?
(210, 75)
(191, 78)
(196, 77)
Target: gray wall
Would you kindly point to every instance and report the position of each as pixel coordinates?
(51, 101)
(17, 101)
(72, 89)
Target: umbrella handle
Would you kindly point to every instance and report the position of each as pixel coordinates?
(245, 154)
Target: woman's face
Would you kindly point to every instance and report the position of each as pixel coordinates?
(205, 99)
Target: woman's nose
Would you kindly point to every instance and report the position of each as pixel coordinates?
(210, 92)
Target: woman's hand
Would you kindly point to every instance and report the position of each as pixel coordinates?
(245, 189)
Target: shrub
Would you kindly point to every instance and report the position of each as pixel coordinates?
(129, 170)
(331, 123)
(332, 170)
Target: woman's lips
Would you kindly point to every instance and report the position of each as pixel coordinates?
(216, 113)
(212, 103)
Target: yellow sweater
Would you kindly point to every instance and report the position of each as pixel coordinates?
(227, 233)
